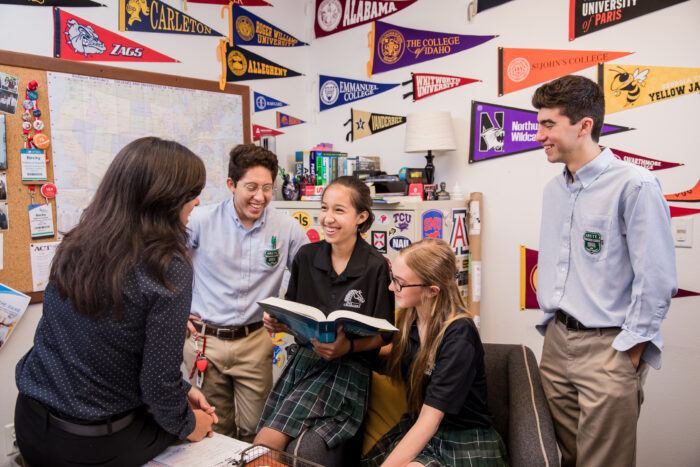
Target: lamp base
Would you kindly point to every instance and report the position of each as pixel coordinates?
(429, 168)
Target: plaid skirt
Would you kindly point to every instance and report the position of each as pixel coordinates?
(480, 447)
(327, 396)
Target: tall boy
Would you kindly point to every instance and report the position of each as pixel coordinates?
(606, 275)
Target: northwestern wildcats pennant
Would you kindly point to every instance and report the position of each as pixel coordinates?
(262, 102)
(587, 16)
(78, 39)
(249, 29)
(156, 16)
(646, 162)
(58, 3)
(498, 131)
(395, 47)
(367, 123)
(627, 86)
(426, 84)
(338, 15)
(284, 120)
(334, 91)
(521, 68)
(239, 64)
(259, 131)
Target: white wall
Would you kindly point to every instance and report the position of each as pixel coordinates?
(512, 186)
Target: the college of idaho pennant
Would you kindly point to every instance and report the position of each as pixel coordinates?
(259, 131)
(239, 64)
(262, 102)
(692, 195)
(395, 46)
(587, 16)
(498, 131)
(156, 16)
(521, 68)
(58, 3)
(78, 39)
(646, 162)
(367, 123)
(334, 91)
(284, 120)
(628, 86)
(250, 29)
(428, 84)
(338, 15)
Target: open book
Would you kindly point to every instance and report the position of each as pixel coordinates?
(307, 322)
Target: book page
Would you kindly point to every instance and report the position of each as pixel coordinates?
(378, 323)
(304, 310)
(210, 452)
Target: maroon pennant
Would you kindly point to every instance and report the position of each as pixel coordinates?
(680, 212)
(646, 162)
(685, 293)
(428, 84)
(338, 15)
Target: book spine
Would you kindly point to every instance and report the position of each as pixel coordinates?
(312, 167)
(298, 164)
(334, 166)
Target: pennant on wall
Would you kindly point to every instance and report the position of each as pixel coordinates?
(237, 2)
(259, 131)
(262, 102)
(427, 84)
(395, 47)
(78, 39)
(685, 293)
(646, 162)
(156, 16)
(627, 86)
(520, 68)
(587, 16)
(58, 3)
(239, 64)
(680, 212)
(689, 195)
(250, 29)
(284, 120)
(499, 131)
(338, 15)
(367, 123)
(334, 91)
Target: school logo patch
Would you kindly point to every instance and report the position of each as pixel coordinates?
(432, 224)
(592, 242)
(272, 257)
(399, 242)
(354, 299)
(379, 240)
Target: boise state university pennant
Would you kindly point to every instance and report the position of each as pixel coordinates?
(333, 16)
(334, 91)
(78, 39)
(249, 29)
(427, 84)
(239, 64)
(156, 16)
(262, 102)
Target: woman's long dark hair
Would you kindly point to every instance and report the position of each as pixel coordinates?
(134, 218)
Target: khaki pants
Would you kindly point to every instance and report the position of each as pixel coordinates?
(595, 395)
(237, 380)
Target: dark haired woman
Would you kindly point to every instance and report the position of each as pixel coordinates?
(323, 391)
(102, 384)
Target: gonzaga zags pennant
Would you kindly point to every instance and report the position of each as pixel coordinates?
(250, 29)
(521, 68)
(334, 91)
(627, 86)
(499, 131)
(159, 17)
(263, 102)
(367, 123)
(646, 162)
(427, 84)
(239, 64)
(259, 131)
(395, 46)
(338, 15)
(78, 39)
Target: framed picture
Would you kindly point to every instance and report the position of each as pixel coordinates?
(3, 186)
(3, 144)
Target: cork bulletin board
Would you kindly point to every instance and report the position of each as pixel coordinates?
(16, 272)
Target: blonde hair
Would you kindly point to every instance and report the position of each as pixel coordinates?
(434, 262)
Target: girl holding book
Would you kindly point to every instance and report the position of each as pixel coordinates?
(323, 391)
(438, 354)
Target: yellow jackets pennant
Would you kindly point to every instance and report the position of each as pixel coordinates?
(367, 123)
(629, 86)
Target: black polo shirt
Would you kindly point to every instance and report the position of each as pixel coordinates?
(457, 383)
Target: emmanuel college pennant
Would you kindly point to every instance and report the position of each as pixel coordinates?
(262, 102)
(240, 64)
(587, 16)
(367, 123)
(428, 84)
(58, 3)
(259, 131)
(338, 15)
(284, 120)
(78, 39)
(250, 29)
(521, 68)
(627, 86)
(395, 46)
(498, 131)
(156, 16)
(334, 91)
(646, 162)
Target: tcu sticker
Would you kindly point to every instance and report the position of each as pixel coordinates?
(432, 224)
(379, 240)
(459, 241)
(402, 220)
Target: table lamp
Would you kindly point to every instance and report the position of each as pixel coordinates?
(429, 131)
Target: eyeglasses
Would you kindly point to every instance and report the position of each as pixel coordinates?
(253, 188)
(399, 286)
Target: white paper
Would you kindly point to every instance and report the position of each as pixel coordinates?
(476, 281)
(2, 252)
(33, 165)
(41, 255)
(41, 221)
(474, 218)
(12, 307)
(210, 452)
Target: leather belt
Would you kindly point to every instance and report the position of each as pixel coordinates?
(572, 324)
(103, 428)
(227, 332)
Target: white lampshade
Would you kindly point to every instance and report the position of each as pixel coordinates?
(429, 131)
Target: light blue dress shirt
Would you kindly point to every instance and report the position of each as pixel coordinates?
(606, 252)
(231, 269)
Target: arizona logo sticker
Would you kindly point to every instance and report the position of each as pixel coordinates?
(394, 47)
(627, 86)
(239, 64)
(646, 162)
(521, 68)
(459, 241)
(262, 102)
(78, 39)
(426, 84)
(333, 16)
(334, 91)
(259, 131)
(284, 120)
(250, 29)
(156, 16)
(367, 123)
(498, 131)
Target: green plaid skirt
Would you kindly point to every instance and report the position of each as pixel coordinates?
(327, 396)
(478, 447)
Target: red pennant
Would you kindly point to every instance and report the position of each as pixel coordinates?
(427, 84)
(646, 162)
(685, 293)
(679, 212)
(259, 131)
(81, 40)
